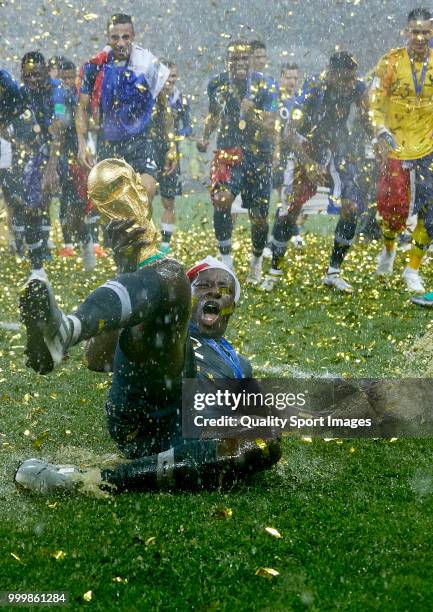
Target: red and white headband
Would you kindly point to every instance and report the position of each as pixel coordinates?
(210, 262)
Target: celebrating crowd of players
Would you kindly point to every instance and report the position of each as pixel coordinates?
(124, 103)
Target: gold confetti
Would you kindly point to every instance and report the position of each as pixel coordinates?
(273, 532)
(37, 443)
(88, 596)
(90, 16)
(59, 555)
(267, 572)
(223, 513)
(150, 541)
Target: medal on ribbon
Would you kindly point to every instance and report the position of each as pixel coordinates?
(419, 85)
(242, 123)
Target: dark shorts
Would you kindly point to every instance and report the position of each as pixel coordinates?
(278, 177)
(139, 152)
(73, 187)
(423, 182)
(424, 191)
(11, 185)
(32, 177)
(170, 185)
(342, 179)
(241, 172)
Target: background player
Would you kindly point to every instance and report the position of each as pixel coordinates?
(320, 136)
(242, 106)
(402, 105)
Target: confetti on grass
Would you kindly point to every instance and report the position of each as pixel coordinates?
(273, 532)
(223, 513)
(267, 572)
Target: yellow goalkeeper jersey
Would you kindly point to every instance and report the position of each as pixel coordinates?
(395, 105)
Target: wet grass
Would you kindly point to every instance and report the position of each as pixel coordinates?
(355, 516)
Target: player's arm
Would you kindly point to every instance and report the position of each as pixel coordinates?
(364, 108)
(261, 112)
(9, 88)
(88, 76)
(277, 144)
(211, 124)
(126, 244)
(298, 143)
(85, 158)
(212, 119)
(378, 101)
(262, 121)
(165, 112)
(50, 179)
(186, 130)
(379, 95)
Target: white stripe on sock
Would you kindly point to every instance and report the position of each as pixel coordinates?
(164, 468)
(76, 329)
(63, 330)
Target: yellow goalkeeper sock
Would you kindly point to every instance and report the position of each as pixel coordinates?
(389, 238)
(421, 242)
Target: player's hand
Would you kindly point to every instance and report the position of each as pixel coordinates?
(384, 145)
(50, 180)
(202, 145)
(247, 107)
(381, 150)
(171, 164)
(85, 157)
(126, 244)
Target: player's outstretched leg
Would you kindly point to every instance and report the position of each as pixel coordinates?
(48, 329)
(125, 301)
(190, 465)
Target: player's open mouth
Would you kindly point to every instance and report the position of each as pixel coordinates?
(210, 313)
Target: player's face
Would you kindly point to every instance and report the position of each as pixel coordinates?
(34, 76)
(259, 60)
(213, 301)
(419, 34)
(172, 80)
(68, 78)
(53, 71)
(238, 64)
(289, 81)
(120, 39)
(342, 81)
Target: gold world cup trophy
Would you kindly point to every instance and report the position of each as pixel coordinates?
(117, 192)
